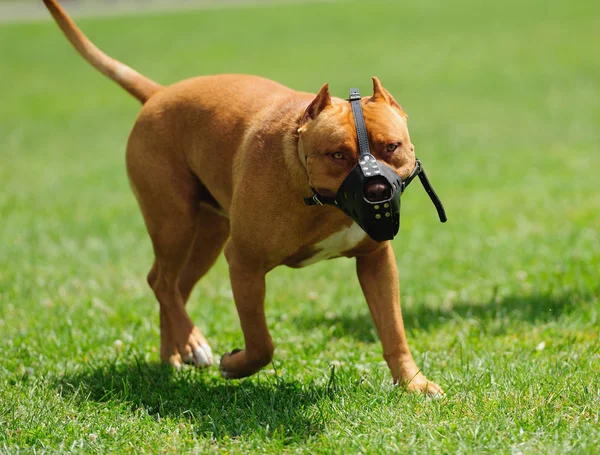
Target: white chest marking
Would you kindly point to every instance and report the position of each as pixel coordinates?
(334, 245)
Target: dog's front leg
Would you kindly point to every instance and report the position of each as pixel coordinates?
(378, 276)
(248, 286)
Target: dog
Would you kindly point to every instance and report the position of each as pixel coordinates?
(234, 163)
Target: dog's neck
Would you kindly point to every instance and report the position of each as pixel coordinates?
(295, 158)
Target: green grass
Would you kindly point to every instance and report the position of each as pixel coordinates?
(504, 107)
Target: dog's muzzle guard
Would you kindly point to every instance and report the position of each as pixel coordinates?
(381, 218)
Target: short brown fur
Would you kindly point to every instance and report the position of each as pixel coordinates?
(224, 162)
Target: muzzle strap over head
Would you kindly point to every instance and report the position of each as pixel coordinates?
(359, 120)
(378, 218)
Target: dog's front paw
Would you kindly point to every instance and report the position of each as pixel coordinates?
(420, 384)
(227, 365)
(239, 363)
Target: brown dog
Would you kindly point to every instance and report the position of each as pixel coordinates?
(225, 161)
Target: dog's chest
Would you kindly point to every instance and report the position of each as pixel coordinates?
(334, 245)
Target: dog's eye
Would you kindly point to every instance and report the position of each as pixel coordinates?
(392, 147)
(338, 155)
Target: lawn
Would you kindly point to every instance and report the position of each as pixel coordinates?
(501, 304)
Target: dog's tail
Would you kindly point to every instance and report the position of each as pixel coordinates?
(139, 86)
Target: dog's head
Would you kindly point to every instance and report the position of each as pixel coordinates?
(328, 140)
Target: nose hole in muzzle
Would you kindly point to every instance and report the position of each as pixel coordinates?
(378, 189)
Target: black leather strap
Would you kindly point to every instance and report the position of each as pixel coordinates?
(319, 199)
(416, 171)
(359, 120)
(433, 196)
(363, 146)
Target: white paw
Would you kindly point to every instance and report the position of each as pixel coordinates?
(436, 395)
(203, 356)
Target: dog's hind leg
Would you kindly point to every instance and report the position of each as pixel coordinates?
(212, 231)
(169, 196)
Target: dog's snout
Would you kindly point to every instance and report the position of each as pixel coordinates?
(378, 191)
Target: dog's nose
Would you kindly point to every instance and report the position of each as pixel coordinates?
(378, 191)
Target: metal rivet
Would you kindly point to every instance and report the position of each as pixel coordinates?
(368, 173)
(377, 216)
(386, 205)
(388, 214)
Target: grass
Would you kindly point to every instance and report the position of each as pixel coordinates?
(501, 304)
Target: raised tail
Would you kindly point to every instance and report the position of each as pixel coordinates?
(138, 85)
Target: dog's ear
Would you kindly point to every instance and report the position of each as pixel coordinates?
(322, 100)
(381, 94)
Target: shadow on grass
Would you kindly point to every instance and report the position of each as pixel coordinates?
(269, 407)
(533, 309)
(536, 308)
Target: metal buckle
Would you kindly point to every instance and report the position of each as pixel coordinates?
(354, 94)
(316, 199)
(416, 171)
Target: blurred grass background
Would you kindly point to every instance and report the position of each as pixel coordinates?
(501, 303)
